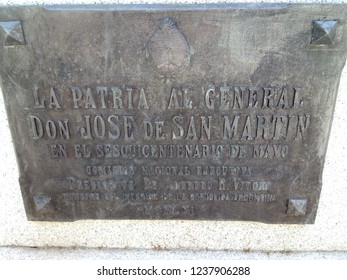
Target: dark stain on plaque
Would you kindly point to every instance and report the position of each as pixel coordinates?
(168, 49)
(236, 132)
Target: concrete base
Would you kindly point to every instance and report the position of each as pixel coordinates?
(22, 253)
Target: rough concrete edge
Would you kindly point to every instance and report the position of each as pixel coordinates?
(180, 2)
(83, 253)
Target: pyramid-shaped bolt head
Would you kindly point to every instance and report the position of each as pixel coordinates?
(42, 203)
(296, 206)
(323, 32)
(14, 33)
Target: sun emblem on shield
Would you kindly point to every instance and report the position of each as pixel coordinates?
(168, 48)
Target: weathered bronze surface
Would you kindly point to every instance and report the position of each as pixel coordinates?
(217, 112)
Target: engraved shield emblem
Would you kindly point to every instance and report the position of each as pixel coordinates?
(168, 48)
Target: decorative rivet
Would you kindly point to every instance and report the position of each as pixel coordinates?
(323, 32)
(43, 203)
(14, 33)
(296, 206)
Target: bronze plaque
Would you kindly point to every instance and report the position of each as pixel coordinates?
(198, 112)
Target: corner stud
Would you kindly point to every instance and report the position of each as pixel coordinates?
(323, 32)
(14, 33)
(296, 206)
(43, 203)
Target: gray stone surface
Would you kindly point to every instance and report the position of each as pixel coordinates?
(328, 232)
(88, 2)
